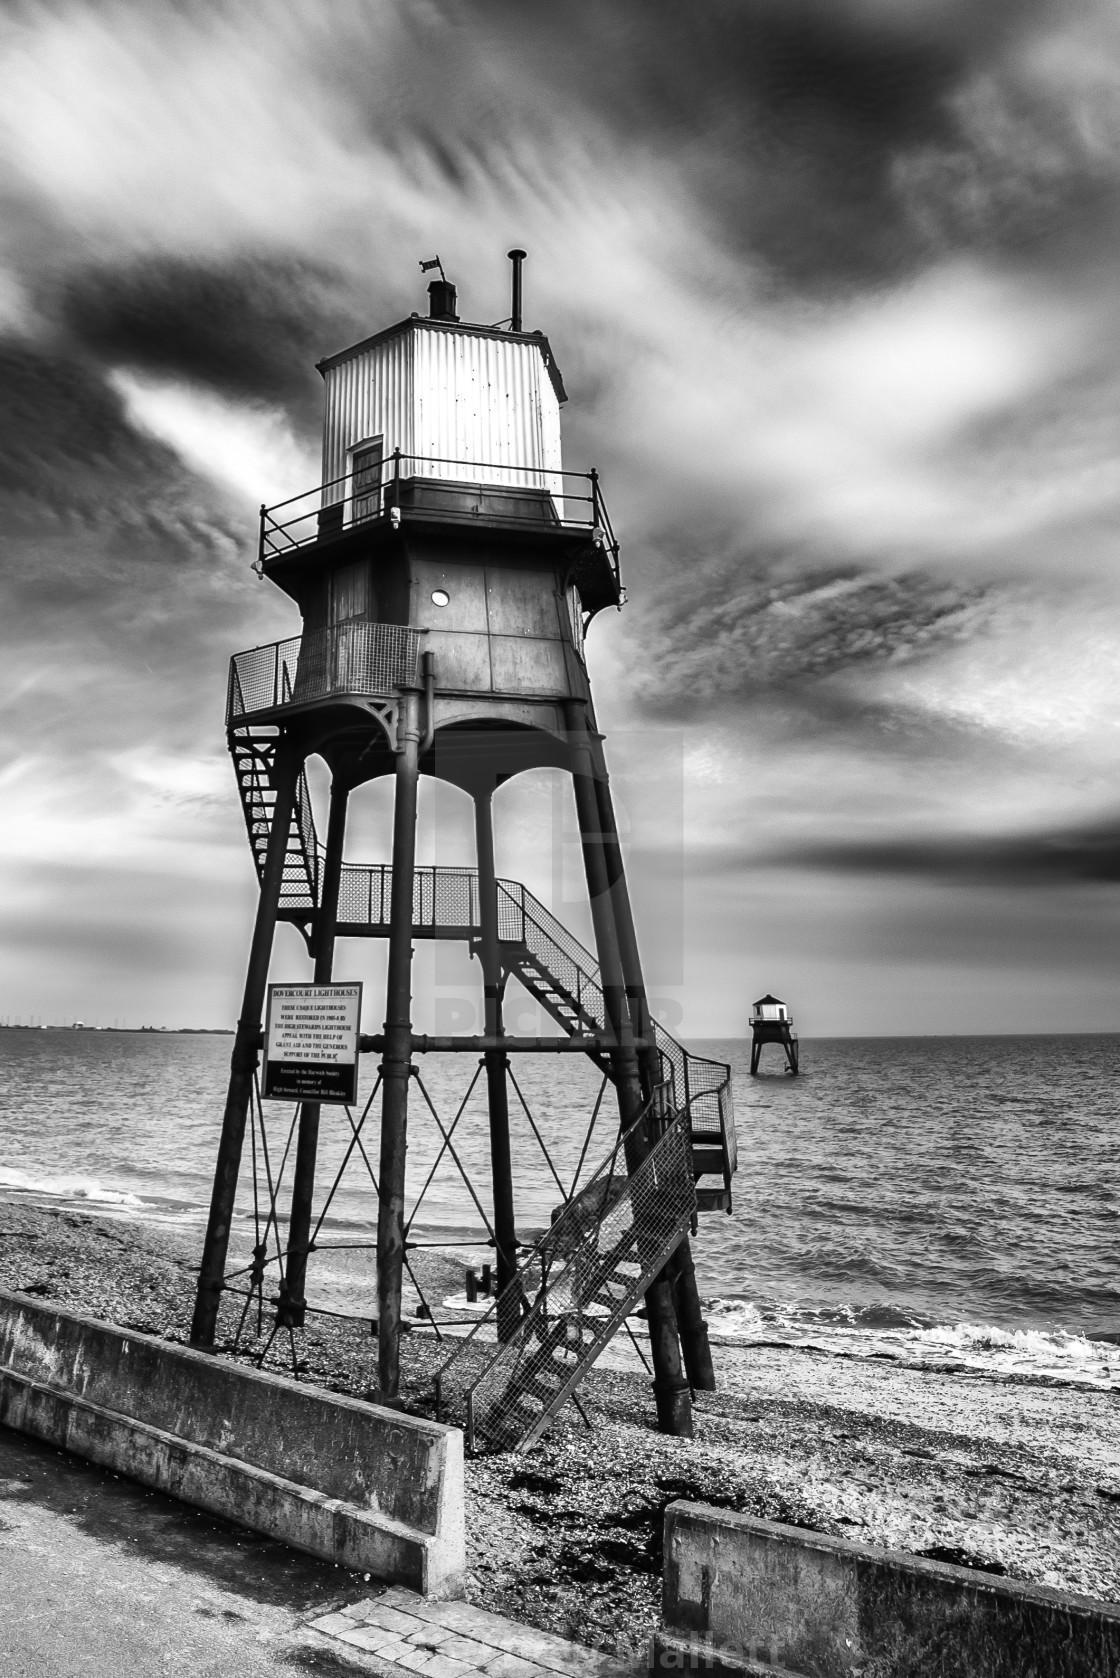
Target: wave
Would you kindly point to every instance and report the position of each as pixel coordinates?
(883, 1331)
(67, 1188)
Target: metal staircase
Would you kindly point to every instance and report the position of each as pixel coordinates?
(536, 948)
(573, 1293)
(611, 1239)
(254, 756)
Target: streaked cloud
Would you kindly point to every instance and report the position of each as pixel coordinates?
(832, 285)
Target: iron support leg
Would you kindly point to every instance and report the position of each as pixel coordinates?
(671, 1390)
(397, 1063)
(246, 1053)
(694, 1330)
(501, 1165)
(292, 1302)
(690, 1317)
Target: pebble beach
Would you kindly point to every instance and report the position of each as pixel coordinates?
(1016, 1474)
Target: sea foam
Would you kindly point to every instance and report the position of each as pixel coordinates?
(1038, 1353)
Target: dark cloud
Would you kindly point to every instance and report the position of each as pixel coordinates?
(251, 326)
(737, 631)
(126, 583)
(68, 451)
(1090, 853)
(816, 135)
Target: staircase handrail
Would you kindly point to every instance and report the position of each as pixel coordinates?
(513, 1289)
(574, 1240)
(710, 1106)
(545, 936)
(570, 1214)
(700, 1084)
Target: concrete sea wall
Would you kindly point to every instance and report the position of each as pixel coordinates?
(354, 1483)
(743, 1595)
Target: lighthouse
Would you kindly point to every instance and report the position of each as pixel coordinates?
(446, 572)
(772, 1022)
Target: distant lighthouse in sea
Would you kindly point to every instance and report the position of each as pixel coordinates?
(772, 1022)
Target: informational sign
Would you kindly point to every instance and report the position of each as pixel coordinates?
(311, 1043)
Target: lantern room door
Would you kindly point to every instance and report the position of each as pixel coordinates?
(365, 481)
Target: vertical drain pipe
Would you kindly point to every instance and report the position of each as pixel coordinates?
(501, 1165)
(396, 1065)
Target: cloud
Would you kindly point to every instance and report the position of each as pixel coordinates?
(757, 626)
(249, 326)
(832, 287)
(1090, 853)
(246, 445)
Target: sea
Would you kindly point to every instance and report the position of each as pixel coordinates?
(933, 1200)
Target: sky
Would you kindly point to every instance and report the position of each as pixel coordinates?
(834, 288)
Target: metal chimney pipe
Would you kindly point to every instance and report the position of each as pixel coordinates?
(517, 258)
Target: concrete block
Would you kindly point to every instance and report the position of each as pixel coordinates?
(404, 1625)
(512, 1666)
(392, 1652)
(743, 1595)
(430, 1636)
(468, 1650)
(356, 1484)
(413, 1659)
(442, 1665)
(333, 1625)
(375, 1639)
(407, 1602)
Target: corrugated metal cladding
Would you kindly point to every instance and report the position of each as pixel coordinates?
(368, 396)
(446, 396)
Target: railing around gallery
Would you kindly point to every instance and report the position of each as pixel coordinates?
(370, 659)
(439, 486)
(447, 898)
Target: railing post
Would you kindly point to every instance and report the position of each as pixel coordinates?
(396, 490)
(594, 476)
(260, 538)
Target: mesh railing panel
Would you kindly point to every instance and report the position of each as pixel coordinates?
(371, 659)
(446, 897)
(309, 843)
(455, 897)
(257, 677)
(522, 919)
(588, 1272)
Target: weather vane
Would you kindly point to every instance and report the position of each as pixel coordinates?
(434, 263)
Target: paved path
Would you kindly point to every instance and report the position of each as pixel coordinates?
(101, 1578)
(455, 1640)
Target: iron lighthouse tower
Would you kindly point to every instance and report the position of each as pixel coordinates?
(446, 572)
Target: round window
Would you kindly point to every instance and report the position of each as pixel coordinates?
(440, 597)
